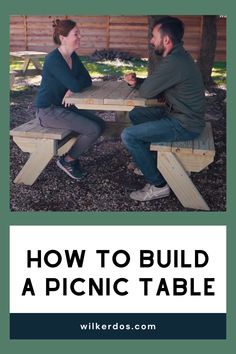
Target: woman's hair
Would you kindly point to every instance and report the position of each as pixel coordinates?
(62, 28)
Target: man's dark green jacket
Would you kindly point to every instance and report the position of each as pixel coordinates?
(179, 79)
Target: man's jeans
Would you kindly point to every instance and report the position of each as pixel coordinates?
(151, 124)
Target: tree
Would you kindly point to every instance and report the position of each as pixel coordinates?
(208, 48)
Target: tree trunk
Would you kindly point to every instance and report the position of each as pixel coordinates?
(153, 59)
(208, 48)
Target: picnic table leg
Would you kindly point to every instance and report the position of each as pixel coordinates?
(38, 160)
(25, 65)
(114, 129)
(12, 79)
(37, 64)
(122, 116)
(65, 147)
(179, 181)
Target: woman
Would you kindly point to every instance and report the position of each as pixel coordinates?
(63, 74)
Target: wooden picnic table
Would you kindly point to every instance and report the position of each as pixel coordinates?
(115, 96)
(110, 96)
(176, 160)
(27, 56)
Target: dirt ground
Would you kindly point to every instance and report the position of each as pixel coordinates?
(109, 182)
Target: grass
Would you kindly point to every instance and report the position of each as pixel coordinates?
(115, 67)
(219, 73)
(16, 64)
(119, 68)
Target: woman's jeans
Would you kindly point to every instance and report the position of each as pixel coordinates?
(151, 124)
(88, 126)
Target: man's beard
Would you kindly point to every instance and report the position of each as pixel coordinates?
(160, 50)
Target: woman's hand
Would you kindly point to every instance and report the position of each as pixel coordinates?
(68, 94)
(131, 79)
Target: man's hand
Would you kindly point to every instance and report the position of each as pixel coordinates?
(131, 79)
(68, 94)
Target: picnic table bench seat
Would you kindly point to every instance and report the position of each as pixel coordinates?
(42, 144)
(176, 160)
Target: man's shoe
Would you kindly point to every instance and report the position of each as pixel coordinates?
(133, 167)
(138, 172)
(72, 168)
(150, 192)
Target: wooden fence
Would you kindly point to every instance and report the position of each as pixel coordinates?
(123, 33)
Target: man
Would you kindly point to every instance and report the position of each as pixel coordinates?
(178, 79)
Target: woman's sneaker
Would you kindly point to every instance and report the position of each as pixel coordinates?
(72, 168)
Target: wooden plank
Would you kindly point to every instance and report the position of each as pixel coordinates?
(33, 129)
(130, 40)
(127, 27)
(129, 19)
(41, 38)
(179, 182)
(27, 54)
(94, 39)
(17, 31)
(25, 144)
(65, 147)
(36, 20)
(134, 99)
(12, 78)
(25, 32)
(37, 64)
(33, 124)
(25, 65)
(194, 163)
(114, 129)
(95, 95)
(112, 94)
(122, 117)
(104, 107)
(205, 143)
(87, 96)
(165, 146)
(140, 34)
(90, 19)
(37, 162)
(182, 147)
(153, 102)
(127, 47)
(120, 89)
(93, 32)
(102, 93)
(92, 46)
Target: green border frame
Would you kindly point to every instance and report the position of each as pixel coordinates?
(120, 7)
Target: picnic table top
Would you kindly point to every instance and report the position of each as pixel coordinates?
(110, 93)
(28, 54)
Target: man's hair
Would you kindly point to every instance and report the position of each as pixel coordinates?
(171, 26)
